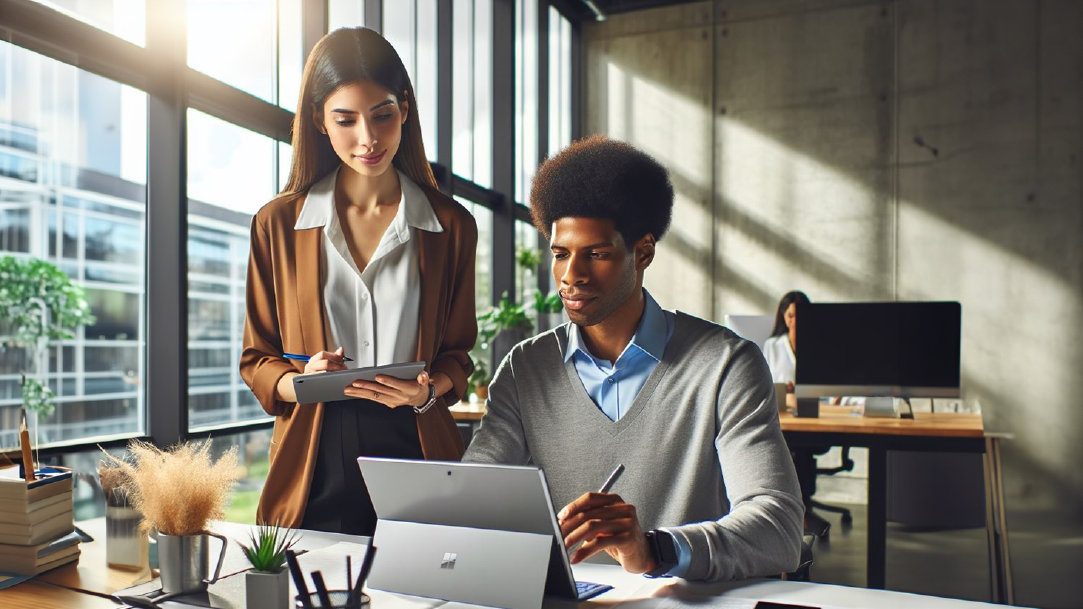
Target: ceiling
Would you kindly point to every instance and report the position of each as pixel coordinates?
(587, 10)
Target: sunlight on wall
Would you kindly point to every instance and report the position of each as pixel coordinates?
(676, 132)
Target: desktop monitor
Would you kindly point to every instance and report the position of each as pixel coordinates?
(899, 349)
(756, 328)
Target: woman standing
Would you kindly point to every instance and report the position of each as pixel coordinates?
(361, 256)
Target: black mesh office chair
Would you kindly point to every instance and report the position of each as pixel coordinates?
(804, 460)
(847, 465)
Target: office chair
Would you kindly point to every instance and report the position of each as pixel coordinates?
(801, 573)
(846, 466)
(804, 460)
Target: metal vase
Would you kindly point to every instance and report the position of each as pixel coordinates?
(182, 560)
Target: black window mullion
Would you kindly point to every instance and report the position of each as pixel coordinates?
(503, 150)
(167, 226)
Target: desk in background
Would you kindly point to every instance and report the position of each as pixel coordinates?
(927, 431)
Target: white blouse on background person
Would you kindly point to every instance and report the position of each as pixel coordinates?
(780, 358)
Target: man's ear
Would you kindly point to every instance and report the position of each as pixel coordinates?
(644, 251)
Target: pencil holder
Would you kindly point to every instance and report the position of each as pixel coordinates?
(125, 544)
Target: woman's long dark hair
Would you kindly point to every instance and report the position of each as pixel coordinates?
(780, 315)
(342, 57)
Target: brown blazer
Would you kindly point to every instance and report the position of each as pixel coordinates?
(286, 315)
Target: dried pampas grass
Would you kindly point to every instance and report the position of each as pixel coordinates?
(181, 489)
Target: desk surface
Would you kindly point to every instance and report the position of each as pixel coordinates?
(835, 419)
(841, 419)
(644, 593)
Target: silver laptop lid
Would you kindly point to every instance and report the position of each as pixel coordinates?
(476, 495)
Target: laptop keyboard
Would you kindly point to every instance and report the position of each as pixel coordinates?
(585, 590)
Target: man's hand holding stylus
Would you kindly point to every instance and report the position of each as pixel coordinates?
(603, 521)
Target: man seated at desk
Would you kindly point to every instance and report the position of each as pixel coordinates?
(686, 405)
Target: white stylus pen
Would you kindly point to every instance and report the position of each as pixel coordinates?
(612, 478)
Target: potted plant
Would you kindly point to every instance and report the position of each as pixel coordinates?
(179, 491)
(267, 584)
(478, 381)
(38, 303)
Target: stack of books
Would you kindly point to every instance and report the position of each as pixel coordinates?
(37, 528)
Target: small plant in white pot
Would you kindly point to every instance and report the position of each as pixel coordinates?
(267, 584)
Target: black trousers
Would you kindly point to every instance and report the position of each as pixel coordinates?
(338, 500)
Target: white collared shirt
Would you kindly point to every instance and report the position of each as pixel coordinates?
(371, 314)
(780, 358)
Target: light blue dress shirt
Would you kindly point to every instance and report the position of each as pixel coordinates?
(613, 387)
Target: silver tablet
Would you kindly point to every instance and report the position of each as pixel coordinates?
(474, 495)
(330, 386)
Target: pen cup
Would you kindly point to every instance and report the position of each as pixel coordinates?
(338, 600)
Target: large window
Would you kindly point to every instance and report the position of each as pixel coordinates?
(78, 144)
(262, 57)
(72, 192)
(471, 114)
(231, 173)
(126, 19)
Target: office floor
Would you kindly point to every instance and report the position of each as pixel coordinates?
(1046, 556)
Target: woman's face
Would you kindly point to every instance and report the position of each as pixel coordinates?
(790, 317)
(364, 123)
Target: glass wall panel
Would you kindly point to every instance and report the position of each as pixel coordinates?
(262, 58)
(232, 172)
(346, 13)
(526, 97)
(126, 19)
(410, 27)
(472, 144)
(560, 81)
(74, 148)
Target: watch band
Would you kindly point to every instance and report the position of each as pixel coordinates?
(664, 549)
(428, 404)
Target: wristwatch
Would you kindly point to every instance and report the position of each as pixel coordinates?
(428, 404)
(664, 550)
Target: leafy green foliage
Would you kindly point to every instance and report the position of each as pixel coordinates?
(528, 259)
(29, 285)
(37, 395)
(38, 303)
(267, 547)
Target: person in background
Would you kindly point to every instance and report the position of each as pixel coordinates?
(781, 353)
(687, 406)
(781, 348)
(359, 256)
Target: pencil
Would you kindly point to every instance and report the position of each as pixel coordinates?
(28, 457)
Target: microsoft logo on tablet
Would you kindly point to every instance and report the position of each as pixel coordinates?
(449, 560)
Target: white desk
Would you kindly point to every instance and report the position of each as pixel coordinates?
(90, 583)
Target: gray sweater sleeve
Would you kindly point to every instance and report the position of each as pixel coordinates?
(501, 438)
(761, 534)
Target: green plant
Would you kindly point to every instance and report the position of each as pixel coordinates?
(38, 303)
(267, 547)
(528, 258)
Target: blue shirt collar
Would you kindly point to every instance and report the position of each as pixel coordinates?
(650, 335)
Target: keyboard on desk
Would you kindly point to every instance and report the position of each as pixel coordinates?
(585, 590)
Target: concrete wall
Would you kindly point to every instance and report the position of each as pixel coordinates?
(871, 150)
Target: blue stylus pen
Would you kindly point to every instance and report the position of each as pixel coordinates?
(305, 358)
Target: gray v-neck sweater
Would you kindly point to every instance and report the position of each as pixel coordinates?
(701, 444)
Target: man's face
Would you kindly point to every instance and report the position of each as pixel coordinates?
(595, 273)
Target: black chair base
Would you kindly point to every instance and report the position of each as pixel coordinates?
(847, 517)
